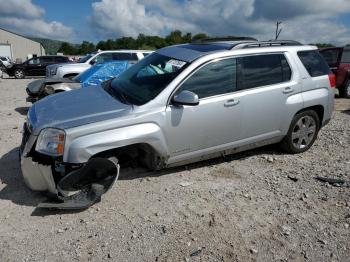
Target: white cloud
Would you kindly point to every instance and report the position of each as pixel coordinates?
(306, 21)
(23, 17)
(20, 9)
(113, 18)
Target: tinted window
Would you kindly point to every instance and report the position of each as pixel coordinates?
(346, 56)
(145, 54)
(104, 58)
(331, 56)
(45, 60)
(85, 58)
(34, 61)
(125, 56)
(314, 63)
(263, 70)
(213, 79)
(61, 59)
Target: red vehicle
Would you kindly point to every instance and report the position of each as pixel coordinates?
(338, 59)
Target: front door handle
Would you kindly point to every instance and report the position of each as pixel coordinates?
(231, 102)
(288, 90)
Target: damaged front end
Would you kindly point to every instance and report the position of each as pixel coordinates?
(70, 186)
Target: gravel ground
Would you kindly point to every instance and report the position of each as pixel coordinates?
(259, 205)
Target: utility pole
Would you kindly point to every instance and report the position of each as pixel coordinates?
(278, 30)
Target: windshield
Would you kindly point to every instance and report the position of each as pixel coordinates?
(85, 58)
(145, 80)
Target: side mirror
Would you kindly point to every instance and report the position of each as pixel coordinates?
(186, 98)
(92, 62)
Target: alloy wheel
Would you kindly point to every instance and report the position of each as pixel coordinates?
(304, 132)
(19, 74)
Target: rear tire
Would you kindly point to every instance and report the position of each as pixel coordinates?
(19, 74)
(302, 132)
(345, 92)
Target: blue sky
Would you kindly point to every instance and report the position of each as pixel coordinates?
(94, 20)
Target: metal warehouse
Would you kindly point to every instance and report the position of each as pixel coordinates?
(18, 47)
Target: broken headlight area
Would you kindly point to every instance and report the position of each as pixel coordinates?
(78, 186)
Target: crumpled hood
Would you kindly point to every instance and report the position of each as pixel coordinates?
(75, 108)
(35, 86)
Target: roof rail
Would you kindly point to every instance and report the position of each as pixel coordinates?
(267, 44)
(223, 39)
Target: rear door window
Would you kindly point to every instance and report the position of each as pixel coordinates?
(61, 59)
(262, 70)
(314, 63)
(46, 60)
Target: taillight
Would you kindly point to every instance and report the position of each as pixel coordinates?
(332, 80)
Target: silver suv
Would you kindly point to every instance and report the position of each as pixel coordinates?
(179, 105)
(69, 70)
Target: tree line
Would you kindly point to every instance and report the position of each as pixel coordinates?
(143, 41)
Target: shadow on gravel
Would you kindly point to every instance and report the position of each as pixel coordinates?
(23, 110)
(346, 112)
(15, 190)
(42, 212)
(135, 173)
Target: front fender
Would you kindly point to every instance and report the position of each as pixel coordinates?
(81, 149)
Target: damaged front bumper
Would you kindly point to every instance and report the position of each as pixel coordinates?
(74, 186)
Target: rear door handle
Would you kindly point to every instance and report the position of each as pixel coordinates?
(288, 90)
(231, 102)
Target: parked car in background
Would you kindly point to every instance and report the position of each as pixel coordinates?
(179, 105)
(5, 61)
(73, 69)
(35, 66)
(338, 59)
(93, 76)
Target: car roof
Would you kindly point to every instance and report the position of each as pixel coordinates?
(190, 52)
(193, 51)
(123, 51)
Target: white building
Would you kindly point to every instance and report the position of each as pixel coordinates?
(18, 47)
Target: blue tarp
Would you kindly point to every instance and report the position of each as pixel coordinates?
(102, 72)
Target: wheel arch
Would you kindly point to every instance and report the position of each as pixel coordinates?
(145, 137)
(141, 153)
(319, 109)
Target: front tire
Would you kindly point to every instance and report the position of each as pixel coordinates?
(302, 132)
(345, 92)
(19, 74)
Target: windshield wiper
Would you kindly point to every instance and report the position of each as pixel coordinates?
(124, 97)
(118, 94)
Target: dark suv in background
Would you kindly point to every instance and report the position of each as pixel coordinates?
(35, 66)
(338, 59)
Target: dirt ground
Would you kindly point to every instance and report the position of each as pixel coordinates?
(260, 205)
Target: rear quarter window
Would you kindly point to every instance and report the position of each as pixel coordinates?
(314, 63)
(345, 56)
